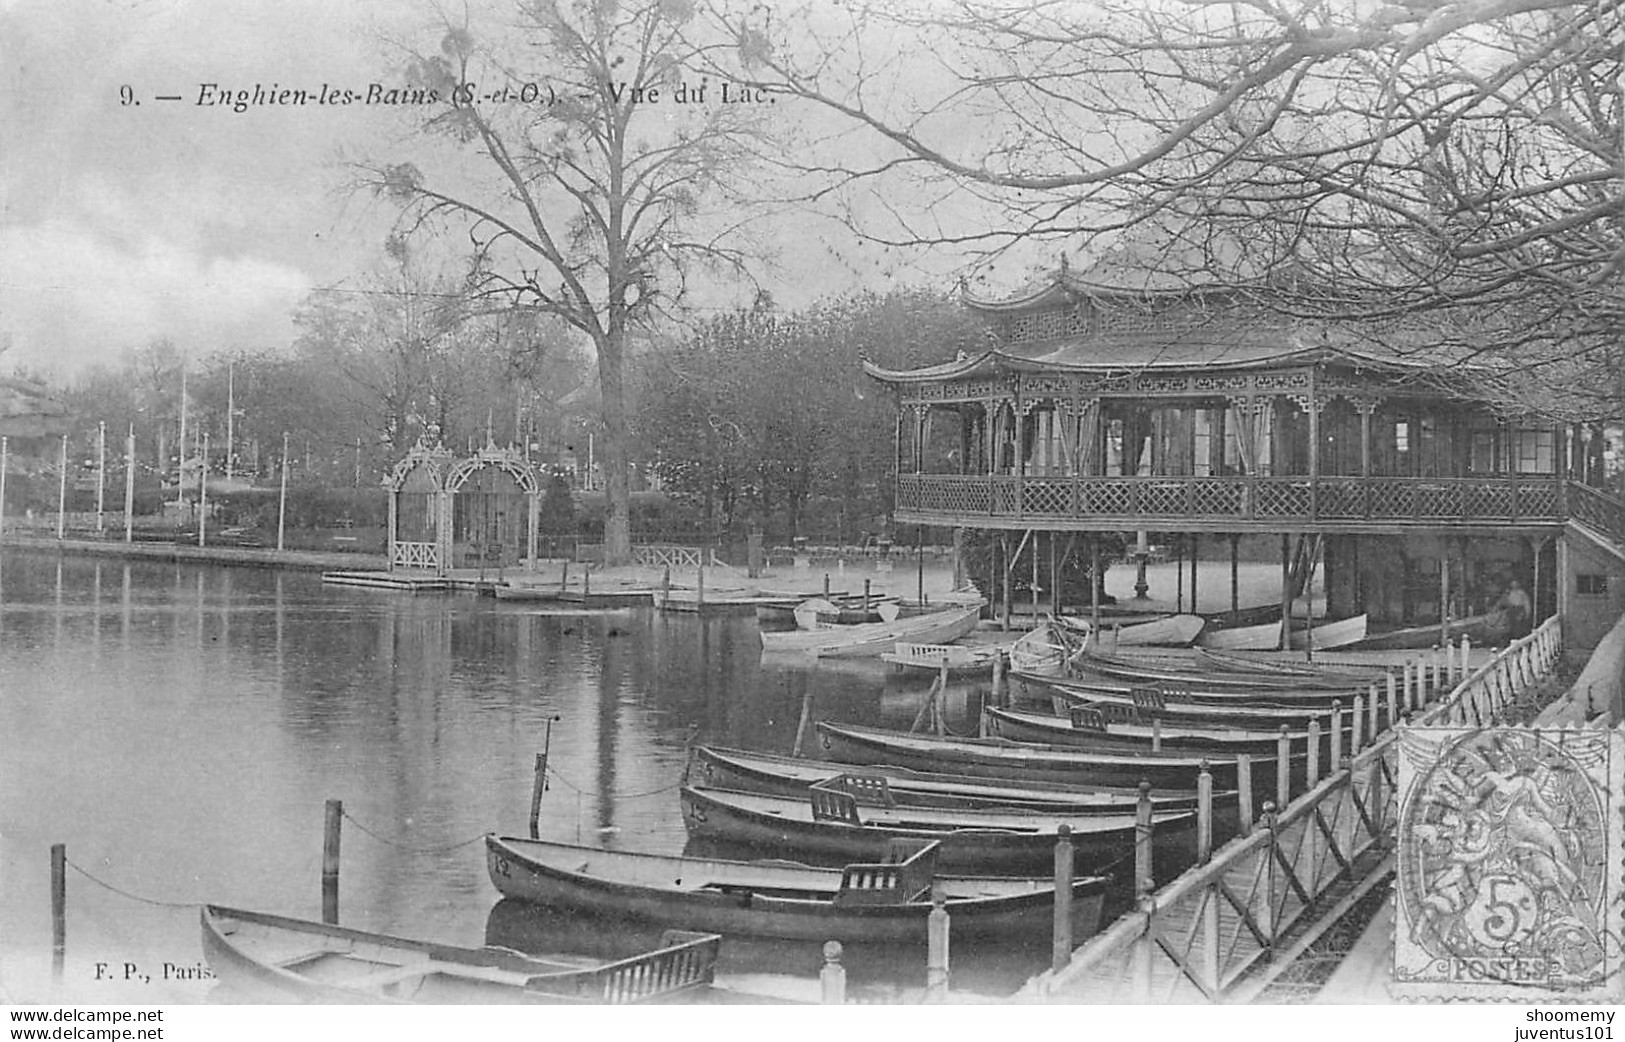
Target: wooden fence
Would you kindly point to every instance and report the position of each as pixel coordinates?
(1223, 931)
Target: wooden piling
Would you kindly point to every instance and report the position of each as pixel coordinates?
(1335, 764)
(1204, 814)
(699, 586)
(1372, 704)
(1312, 771)
(1244, 793)
(564, 576)
(826, 597)
(586, 583)
(832, 978)
(1466, 648)
(1142, 840)
(1283, 767)
(330, 861)
(1156, 734)
(1356, 725)
(537, 785)
(936, 960)
(665, 585)
(866, 596)
(1001, 683)
(59, 909)
(1393, 701)
(1061, 949)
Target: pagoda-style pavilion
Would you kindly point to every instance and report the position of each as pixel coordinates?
(1200, 413)
(476, 512)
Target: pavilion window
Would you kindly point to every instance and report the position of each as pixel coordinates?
(1536, 451)
(1402, 447)
(1114, 448)
(1202, 443)
(1481, 452)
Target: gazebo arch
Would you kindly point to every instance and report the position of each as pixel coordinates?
(493, 501)
(418, 528)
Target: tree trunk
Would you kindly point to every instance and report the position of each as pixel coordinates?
(613, 453)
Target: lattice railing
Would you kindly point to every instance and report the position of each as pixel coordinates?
(1597, 509)
(415, 555)
(1388, 499)
(660, 555)
(1224, 930)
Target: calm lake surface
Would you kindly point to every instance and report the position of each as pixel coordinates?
(180, 727)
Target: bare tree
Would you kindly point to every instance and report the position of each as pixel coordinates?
(1446, 172)
(593, 161)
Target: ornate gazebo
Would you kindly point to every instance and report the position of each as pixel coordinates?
(446, 513)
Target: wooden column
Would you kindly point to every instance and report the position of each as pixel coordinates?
(1286, 592)
(1235, 587)
(1196, 542)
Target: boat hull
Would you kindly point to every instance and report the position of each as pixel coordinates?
(1011, 908)
(983, 841)
(870, 640)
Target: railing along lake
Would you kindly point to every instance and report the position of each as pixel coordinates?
(1223, 931)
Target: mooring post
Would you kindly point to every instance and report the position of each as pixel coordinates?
(1001, 683)
(1311, 772)
(699, 585)
(866, 596)
(1204, 814)
(665, 585)
(1156, 734)
(1244, 793)
(1371, 706)
(1357, 723)
(1142, 839)
(540, 784)
(1466, 647)
(330, 861)
(1283, 767)
(832, 978)
(826, 591)
(564, 575)
(1393, 701)
(1144, 948)
(586, 582)
(1335, 764)
(1061, 951)
(59, 909)
(936, 964)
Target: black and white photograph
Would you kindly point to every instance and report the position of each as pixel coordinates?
(963, 508)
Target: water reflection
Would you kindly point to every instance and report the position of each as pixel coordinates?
(185, 753)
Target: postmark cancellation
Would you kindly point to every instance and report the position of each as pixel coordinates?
(1509, 864)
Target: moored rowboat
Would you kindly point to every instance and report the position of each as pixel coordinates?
(277, 958)
(895, 786)
(830, 823)
(860, 902)
(871, 639)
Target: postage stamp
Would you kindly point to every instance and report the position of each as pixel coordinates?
(1508, 879)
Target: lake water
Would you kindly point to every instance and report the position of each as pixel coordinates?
(179, 728)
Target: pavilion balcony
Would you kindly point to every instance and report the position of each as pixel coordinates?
(1228, 503)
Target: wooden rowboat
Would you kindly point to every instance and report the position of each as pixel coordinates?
(959, 659)
(1144, 704)
(1087, 686)
(1092, 732)
(1043, 650)
(1480, 629)
(828, 822)
(737, 769)
(1230, 662)
(871, 639)
(861, 902)
(1089, 665)
(1024, 761)
(1172, 631)
(1328, 635)
(279, 959)
(1262, 636)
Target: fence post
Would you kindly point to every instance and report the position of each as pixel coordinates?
(1267, 918)
(1393, 702)
(1357, 727)
(1335, 763)
(1142, 839)
(59, 909)
(1144, 948)
(1204, 815)
(330, 861)
(832, 978)
(936, 967)
(1244, 793)
(1311, 773)
(1466, 648)
(1371, 706)
(1283, 767)
(1061, 950)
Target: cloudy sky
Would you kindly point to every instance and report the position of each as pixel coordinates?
(124, 222)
